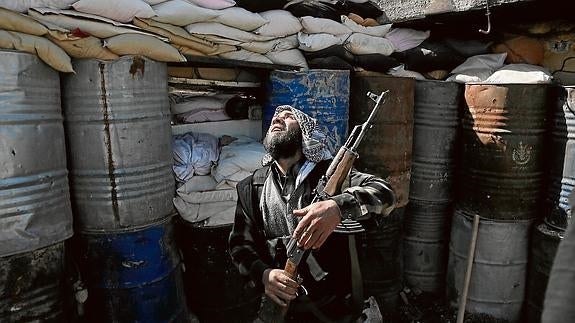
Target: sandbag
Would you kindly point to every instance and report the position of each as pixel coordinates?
(181, 39)
(429, 56)
(280, 23)
(405, 38)
(313, 9)
(101, 28)
(132, 44)
(520, 74)
(316, 42)
(278, 44)
(47, 51)
(365, 44)
(477, 68)
(377, 31)
(217, 29)
(153, 2)
(333, 51)
(13, 21)
(522, 49)
(313, 25)
(88, 47)
(292, 57)
(240, 18)
(244, 55)
(123, 11)
(182, 13)
(213, 4)
(260, 6)
(24, 5)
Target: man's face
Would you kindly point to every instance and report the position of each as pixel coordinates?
(284, 136)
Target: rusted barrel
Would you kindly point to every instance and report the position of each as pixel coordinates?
(435, 131)
(132, 276)
(387, 147)
(34, 287)
(544, 243)
(498, 277)
(563, 162)
(215, 290)
(379, 253)
(502, 163)
(323, 94)
(119, 139)
(35, 206)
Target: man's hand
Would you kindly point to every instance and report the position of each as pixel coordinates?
(278, 286)
(317, 223)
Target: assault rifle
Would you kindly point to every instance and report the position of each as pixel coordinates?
(328, 185)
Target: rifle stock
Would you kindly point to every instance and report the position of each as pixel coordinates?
(329, 185)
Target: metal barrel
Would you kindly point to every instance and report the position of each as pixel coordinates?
(34, 287)
(498, 276)
(387, 147)
(119, 139)
(435, 131)
(502, 162)
(132, 276)
(35, 209)
(544, 243)
(215, 290)
(379, 253)
(322, 94)
(562, 168)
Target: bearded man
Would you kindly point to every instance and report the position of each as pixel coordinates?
(274, 205)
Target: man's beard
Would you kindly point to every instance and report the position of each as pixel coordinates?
(283, 144)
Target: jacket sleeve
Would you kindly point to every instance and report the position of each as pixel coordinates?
(247, 244)
(367, 194)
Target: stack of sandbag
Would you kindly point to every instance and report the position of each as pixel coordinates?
(208, 169)
(22, 33)
(103, 23)
(188, 108)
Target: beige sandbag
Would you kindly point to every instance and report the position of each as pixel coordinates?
(123, 11)
(182, 13)
(244, 55)
(188, 51)
(13, 21)
(151, 47)
(24, 5)
(45, 49)
(179, 36)
(89, 24)
(278, 44)
(88, 47)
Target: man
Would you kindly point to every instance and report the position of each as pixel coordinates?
(273, 204)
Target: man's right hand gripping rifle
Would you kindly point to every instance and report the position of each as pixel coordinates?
(319, 219)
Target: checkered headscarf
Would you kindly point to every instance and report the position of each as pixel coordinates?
(314, 145)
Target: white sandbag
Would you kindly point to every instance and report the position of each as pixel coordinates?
(214, 4)
(181, 39)
(520, 74)
(237, 159)
(182, 13)
(315, 42)
(151, 47)
(182, 103)
(217, 29)
(400, 71)
(245, 55)
(477, 68)
(47, 51)
(88, 47)
(14, 21)
(206, 214)
(313, 25)
(405, 38)
(360, 44)
(280, 23)
(240, 18)
(96, 26)
(198, 183)
(292, 57)
(278, 44)
(377, 31)
(24, 5)
(154, 2)
(123, 11)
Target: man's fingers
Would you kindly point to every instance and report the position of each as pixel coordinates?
(311, 239)
(301, 227)
(320, 241)
(277, 300)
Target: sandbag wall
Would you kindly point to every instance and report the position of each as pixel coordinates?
(119, 151)
(35, 211)
(500, 179)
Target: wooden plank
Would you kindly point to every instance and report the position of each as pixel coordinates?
(210, 61)
(212, 83)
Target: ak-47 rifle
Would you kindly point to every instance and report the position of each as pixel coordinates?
(328, 186)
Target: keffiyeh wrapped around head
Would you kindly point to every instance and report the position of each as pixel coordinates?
(314, 145)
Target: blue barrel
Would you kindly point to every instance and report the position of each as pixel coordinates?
(133, 276)
(563, 162)
(35, 209)
(323, 94)
(33, 287)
